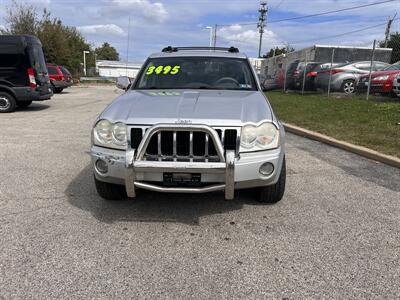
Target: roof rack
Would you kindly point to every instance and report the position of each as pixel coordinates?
(171, 49)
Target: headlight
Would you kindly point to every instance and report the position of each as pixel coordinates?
(262, 137)
(119, 134)
(110, 135)
(381, 78)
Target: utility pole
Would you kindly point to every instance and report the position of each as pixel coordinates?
(211, 34)
(127, 46)
(84, 61)
(387, 32)
(215, 35)
(261, 23)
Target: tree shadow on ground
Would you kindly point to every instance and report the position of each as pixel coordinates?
(150, 206)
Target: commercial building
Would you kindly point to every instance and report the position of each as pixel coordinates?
(114, 69)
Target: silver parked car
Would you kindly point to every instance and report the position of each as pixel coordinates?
(195, 120)
(344, 76)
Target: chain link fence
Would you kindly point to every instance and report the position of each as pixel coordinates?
(334, 70)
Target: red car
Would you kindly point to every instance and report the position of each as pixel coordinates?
(381, 81)
(60, 77)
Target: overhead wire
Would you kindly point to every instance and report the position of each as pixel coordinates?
(312, 15)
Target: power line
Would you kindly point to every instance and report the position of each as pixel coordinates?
(327, 37)
(341, 34)
(332, 11)
(279, 4)
(314, 15)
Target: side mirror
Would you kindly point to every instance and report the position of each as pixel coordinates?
(123, 82)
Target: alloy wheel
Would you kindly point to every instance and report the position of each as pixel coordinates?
(348, 87)
(4, 103)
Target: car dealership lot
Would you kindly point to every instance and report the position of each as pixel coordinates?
(336, 233)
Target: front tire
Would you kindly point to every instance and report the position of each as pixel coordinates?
(58, 90)
(24, 104)
(109, 191)
(274, 193)
(7, 102)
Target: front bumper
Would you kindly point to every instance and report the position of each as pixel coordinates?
(237, 172)
(61, 83)
(383, 87)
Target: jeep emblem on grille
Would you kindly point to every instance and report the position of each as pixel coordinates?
(180, 121)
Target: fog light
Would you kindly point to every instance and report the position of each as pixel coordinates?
(101, 166)
(266, 169)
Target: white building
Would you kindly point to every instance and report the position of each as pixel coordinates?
(257, 63)
(114, 69)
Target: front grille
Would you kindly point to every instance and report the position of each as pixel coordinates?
(136, 137)
(194, 146)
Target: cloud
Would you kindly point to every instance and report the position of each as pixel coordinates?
(246, 39)
(142, 9)
(156, 23)
(40, 2)
(106, 29)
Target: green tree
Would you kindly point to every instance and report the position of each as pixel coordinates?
(55, 44)
(76, 45)
(394, 43)
(278, 51)
(107, 52)
(21, 19)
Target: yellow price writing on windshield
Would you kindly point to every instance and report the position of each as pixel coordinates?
(163, 70)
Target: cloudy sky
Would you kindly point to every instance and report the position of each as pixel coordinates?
(157, 23)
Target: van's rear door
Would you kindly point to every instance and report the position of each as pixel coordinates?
(38, 65)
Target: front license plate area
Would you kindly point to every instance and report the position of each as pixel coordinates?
(181, 179)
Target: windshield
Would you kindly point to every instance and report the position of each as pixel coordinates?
(197, 73)
(393, 67)
(65, 71)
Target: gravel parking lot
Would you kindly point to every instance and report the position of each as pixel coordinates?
(336, 233)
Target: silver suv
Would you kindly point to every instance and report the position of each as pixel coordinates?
(195, 120)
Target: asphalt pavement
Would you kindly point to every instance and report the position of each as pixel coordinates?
(335, 234)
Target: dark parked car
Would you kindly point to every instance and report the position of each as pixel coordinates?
(60, 78)
(23, 72)
(381, 81)
(291, 74)
(310, 73)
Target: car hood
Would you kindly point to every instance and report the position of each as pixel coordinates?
(212, 107)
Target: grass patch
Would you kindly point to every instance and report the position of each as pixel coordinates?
(374, 124)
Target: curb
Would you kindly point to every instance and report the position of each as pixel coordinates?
(363, 151)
